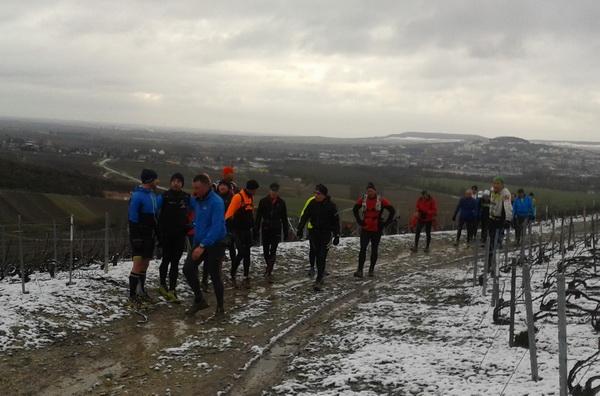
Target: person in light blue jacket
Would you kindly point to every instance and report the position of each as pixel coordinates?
(523, 210)
(209, 242)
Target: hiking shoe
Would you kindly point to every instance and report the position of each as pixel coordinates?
(220, 311)
(311, 272)
(317, 286)
(204, 286)
(414, 249)
(371, 272)
(455, 243)
(172, 297)
(196, 306)
(358, 274)
(145, 297)
(233, 283)
(269, 278)
(163, 291)
(246, 283)
(426, 250)
(135, 303)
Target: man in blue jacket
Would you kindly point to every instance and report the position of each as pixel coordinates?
(209, 242)
(467, 206)
(144, 207)
(522, 210)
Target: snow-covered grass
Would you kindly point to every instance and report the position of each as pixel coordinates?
(428, 332)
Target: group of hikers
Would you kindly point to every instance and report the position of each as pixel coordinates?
(219, 217)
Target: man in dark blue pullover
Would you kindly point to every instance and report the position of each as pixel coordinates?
(522, 211)
(209, 242)
(144, 207)
(467, 206)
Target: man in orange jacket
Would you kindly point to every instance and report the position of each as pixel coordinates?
(240, 222)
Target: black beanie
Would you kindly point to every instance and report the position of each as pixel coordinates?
(322, 189)
(370, 185)
(148, 176)
(251, 185)
(179, 177)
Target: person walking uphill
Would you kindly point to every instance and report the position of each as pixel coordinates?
(500, 212)
(144, 207)
(368, 212)
(240, 222)
(522, 210)
(271, 219)
(209, 242)
(467, 206)
(173, 227)
(426, 210)
(323, 215)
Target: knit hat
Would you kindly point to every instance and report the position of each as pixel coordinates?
(274, 187)
(251, 185)
(148, 176)
(370, 185)
(227, 170)
(486, 192)
(424, 192)
(322, 189)
(499, 179)
(178, 176)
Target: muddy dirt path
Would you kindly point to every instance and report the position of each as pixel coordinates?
(243, 353)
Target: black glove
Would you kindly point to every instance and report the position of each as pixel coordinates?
(299, 235)
(531, 218)
(336, 240)
(361, 223)
(453, 218)
(507, 224)
(138, 243)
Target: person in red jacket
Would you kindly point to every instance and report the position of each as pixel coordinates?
(368, 212)
(426, 212)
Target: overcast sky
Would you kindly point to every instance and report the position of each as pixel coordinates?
(331, 68)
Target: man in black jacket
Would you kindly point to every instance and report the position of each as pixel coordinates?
(323, 215)
(271, 218)
(173, 226)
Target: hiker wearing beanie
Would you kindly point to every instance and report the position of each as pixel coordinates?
(271, 220)
(240, 222)
(483, 206)
(368, 212)
(426, 211)
(173, 226)
(227, 179)
(144, 207)
(323, 215)
(500, 214)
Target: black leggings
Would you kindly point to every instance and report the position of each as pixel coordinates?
(420, 225)
(243, 242)
(365, 237)
(321, 242)
(172, 250)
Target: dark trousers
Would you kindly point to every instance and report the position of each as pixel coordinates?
(212, 256)
(495, 226)
(243, 243)
(321, 242)
(470, 223)
(365, 237)
(172, 250)
(484, 228)
(312, 257)
(519, 225)
(270, 241)
(420, 225)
